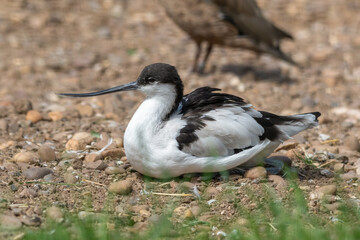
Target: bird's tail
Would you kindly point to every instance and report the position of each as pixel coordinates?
(246, 43)
(294, 124)
(276, 52)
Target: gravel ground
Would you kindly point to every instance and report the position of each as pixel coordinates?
(49, 146)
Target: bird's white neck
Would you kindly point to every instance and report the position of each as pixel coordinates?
(155, 109)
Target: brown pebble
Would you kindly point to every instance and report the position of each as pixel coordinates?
(3, 125)
(22, 106)
(75, 145)
(279, 182)
(338, 167)
(186, 187)
(70, 178)
(352, 143)
(55, 213)
(55, 116)
(287, 145)
(30, 221)
(292, 154)
(84, 110)
(196, 210)
(349, 175)
(36, 173)
(119, 142)
(10, 167)
(256, 172)
(210, 192)
(34, 116)
(322, 191)
(113, 153)
(46, 154)
(183, 212)
(92, 157)
(85, 137)
(138, 208)
(28, 192)
(26, 157)
(114, 170)
(10, 222)
(332, 206)
(97, 165)
(123, 187)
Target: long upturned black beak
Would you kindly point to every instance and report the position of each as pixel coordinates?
(125, 87)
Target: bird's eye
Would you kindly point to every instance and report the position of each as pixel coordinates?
(150, 79)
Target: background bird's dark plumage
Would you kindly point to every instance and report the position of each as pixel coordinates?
(232, 23)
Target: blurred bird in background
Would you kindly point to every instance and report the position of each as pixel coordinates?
(231, 23)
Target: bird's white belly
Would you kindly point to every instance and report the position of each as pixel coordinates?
(152, 153)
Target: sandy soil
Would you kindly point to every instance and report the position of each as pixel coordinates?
(47, 47)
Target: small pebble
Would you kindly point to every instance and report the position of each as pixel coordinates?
(327, 173)
(113, 153)
(256, 172)
(323, 137)
(92, 157)
(55, 213)
(186, 187)
(332, 206)
(49, 178)
(352, 143)
(46, 154)
(9, 222)
(114, 170)
(288, 145)
(75, 145)
(84, 137)
(338, 167)
(210, 192)
(55, 116)
(123, 187)
(183, 212)
(22, 106)
(3, 125)
(70, 178)
(36, 173)
(322, 191)
(13, 187)
(26, 157)
(84, 110)
(285, 159)
(138, 208)
(17, 211)
(97, 165)
(34, 116)
(196, 210)
(349, 175)
(30, 221)
(280, 183)
(28, 192)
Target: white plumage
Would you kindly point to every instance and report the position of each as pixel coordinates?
(170, 135)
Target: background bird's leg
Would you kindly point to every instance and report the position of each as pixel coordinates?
(197, 56)
(206, 57)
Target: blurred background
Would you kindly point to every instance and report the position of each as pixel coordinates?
(51, 46)
(54, 46)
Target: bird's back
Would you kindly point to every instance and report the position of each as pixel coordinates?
(248, 17)
(200, 19)
(232, 23)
